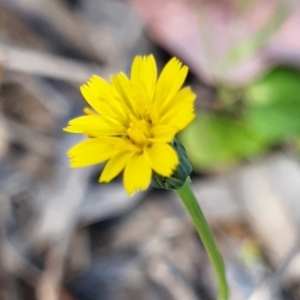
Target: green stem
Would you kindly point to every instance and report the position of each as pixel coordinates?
(187, 196)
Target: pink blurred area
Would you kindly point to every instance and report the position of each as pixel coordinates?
(202, 33)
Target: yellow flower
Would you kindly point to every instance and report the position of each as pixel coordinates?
(133, 123)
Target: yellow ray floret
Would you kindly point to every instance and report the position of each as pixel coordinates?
(133, 122)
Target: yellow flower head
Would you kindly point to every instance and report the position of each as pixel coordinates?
(133, 123)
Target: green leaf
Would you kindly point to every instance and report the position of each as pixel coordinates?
(214, 142)
(273, 105)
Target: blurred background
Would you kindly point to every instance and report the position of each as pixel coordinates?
(65, 236)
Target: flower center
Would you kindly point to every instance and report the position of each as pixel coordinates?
(139, 132)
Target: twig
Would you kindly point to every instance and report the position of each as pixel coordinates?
(47, 65)
(61, 21)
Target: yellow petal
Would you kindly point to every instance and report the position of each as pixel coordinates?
(124, 91)
(137, 174)
(183, 117)
(170, 81)
(114, 166)
(89, 112)
(94, 125)
(96, 150)
(101, 97)
(162, 134)
(182, 98)
(163, 158)
(95, 90)
(143, 78)
(180, 110)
